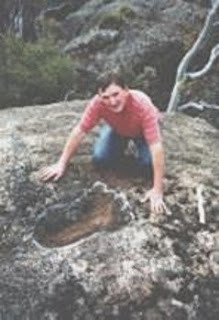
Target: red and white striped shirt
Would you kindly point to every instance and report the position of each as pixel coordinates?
(138, 118)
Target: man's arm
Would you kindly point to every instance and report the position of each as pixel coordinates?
(57, 170)
(157, 153)
(155, 195)
(71, 145)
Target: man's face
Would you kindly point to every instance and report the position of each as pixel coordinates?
(114, 97)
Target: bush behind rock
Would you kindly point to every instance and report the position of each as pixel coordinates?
(33, 73)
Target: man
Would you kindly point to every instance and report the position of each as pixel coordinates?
(129, 114)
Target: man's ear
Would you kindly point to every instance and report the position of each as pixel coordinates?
(127, 90)
(99, 91)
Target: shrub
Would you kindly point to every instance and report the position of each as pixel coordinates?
(33, 73)
(116, 18)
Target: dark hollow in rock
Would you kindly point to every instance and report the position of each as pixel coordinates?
(97, 209)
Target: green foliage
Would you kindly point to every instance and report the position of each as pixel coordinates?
(107, 1)
(33, 73)
(116, 18)
(52, 28)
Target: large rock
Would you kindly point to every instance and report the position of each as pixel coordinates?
(149, 34)
(86, 248)
(145, 40)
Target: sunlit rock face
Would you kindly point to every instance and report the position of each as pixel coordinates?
(86, 247)
(146, 40)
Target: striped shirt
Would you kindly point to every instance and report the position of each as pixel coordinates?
(138, 118)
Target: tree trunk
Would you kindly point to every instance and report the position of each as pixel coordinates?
(182, 71)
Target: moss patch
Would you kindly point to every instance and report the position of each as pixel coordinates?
(116, 18)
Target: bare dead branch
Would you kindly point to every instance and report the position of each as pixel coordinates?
(182, 74)
(201, 211)
(201, 105)
(213, 2)
(209, 106)
(207, 67)
(191, 104)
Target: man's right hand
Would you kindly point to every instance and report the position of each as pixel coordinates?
(53, 172)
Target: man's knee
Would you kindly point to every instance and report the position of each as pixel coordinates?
(146, 167)
(145, 162)
(99, 159)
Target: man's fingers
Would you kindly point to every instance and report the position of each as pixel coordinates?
(57, 176)
(167, 210)
(157, 207)
(44, 171)
(145, 198)
(46, 174)
(160, 207)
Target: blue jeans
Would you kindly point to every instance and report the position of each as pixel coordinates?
(109, 149)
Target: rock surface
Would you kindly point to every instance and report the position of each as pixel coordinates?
(86, 248)
(145, 39)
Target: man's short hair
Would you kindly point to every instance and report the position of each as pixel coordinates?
(109, 77)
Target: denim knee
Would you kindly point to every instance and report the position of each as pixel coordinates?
(99, 159)
(145, 161)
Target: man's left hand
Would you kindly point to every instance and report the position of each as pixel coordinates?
(156, 200)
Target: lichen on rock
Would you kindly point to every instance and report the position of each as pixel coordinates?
(86, 248)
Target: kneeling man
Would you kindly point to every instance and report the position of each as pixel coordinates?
(129, 114)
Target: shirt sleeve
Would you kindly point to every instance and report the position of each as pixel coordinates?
(91, 115)
(150, 123)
